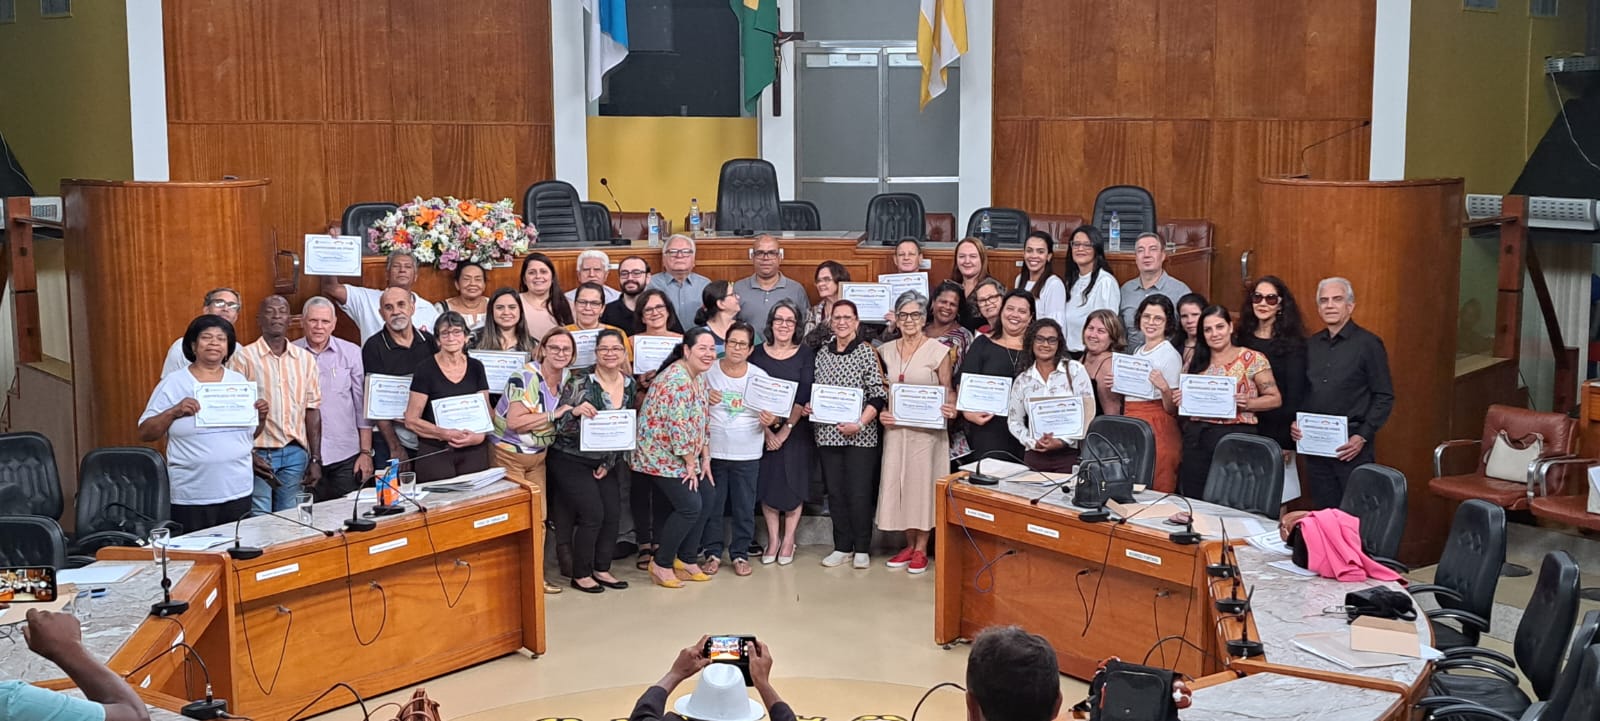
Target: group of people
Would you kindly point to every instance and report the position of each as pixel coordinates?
(701, 452)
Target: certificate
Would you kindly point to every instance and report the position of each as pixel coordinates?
(226, 405)
(463, 413)
(499, 365)
(1208, 397)
(387, 396)
(607, 431)
(873, 300)
(983, 394)
(917, 406)
(583, 357)
(1321, 435)
(333, 255)
(650, 351)
(773, 395)
(901, 282)
(835, 404)
(1060, 417)
(1130, 376)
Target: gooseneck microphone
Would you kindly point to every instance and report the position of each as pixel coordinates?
(1306, 169)
(241, 552)
(1188, 536)
(355, 523)
(1244, 646)
(166, 606)
(607, 185)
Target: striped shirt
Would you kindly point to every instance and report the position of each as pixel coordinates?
(290, 383)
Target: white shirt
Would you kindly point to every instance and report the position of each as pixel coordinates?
(1164, 359)
(362, 305)
(1051, 301)
(1106, 294)
(1069, 378)
(175, 361)
(735, 430)
(204, 465)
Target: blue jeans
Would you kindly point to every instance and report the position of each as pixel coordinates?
(289, 466)
(736, 485)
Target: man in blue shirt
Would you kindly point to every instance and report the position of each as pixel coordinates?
(56, 637)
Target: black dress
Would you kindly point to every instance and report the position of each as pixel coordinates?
(1287, 356)
(993, 439)
(785, 476)
(430, 381)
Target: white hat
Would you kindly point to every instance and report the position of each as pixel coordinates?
(720, 696)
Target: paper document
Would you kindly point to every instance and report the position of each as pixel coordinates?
(917, 406)
(1335, 647)
(901, 282)
(466, 481)
(194, 542)
(97, 573)
(608, 431)
(835, 404)
(1060, 417)
(499, 366)
(650, 351)
(1270, 542)
(387, 396)
(1291, 569)
(983, 394)
(226, 405)
(583, 355)
(468, 413)
(1321, 435)
(1130, 376)
(1208, 397)
(333, 255)
(873, 300)
(773, 395)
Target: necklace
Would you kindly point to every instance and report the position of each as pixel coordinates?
(905, 358)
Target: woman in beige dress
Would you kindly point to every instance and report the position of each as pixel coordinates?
(913, 457)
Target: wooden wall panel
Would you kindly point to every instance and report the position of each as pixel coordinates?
(361, 63)
(240, 60)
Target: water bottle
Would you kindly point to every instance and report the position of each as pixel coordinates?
(694, 217)
(387, 491)
(1115, 231)
(655, 229)
(1172, 245)
(984, 226)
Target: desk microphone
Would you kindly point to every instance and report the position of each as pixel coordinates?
(1188, 536)
(1243, 646)
(241, 552)
(355, 523)
(977, 476)
(607, 186)
(147, 518)
(1306, 149)
(1222, 569)
(166, 606)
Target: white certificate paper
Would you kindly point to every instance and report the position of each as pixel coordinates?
(901, 282)
(835, 404)
(1321, 435)
(773, 395)
(983, 394)
(873, 300)
(917, 406)
(1208, 397)
(499, 366)
(1060, 417)
(226, 405)
(387, 396)
(1130, 376)
(650, 351)
(584, 340)
(607, 431)
(333, 255)
(463, 413)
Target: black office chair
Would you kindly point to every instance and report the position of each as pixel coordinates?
(747, 196)
(1468, 571)
(1568, 699)
(32, 541)
(30, 485)
(596, 222)
(122, 495)
(799, 215)
(358, 218)
(553, 208)
(892, 216)
(1007, 227)
(1376, 494)
(1134, 439)
(1247, 474)
(1135, 208)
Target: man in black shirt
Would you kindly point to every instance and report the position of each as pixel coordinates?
(1348, 374)
(634, 274)
(395, 351)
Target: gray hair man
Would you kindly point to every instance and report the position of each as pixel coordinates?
(396, 350)
(346, 432)
(767, 284)
(362, 304)
(1150, 257)
(221, 302)
(594, 266)
(678, 280)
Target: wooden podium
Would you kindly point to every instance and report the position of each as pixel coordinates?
(1399, 244)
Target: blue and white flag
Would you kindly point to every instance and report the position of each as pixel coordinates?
(608, 40)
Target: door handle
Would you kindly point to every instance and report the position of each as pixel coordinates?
(1244, 267)
(278, 283)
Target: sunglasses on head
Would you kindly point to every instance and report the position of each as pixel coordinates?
(1269, 299)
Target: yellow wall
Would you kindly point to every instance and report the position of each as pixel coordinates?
(662, 162)
(64, 93)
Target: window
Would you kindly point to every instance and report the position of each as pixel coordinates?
(55, 8)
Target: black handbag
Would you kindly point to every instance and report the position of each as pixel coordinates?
(1379, 602)
(1130, 692)
(1104, 474)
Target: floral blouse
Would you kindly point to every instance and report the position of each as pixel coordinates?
(1243, 371)
(856, 367)
(673, 423)
(527, 387)
(585, 386)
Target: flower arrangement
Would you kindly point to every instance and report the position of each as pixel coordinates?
(446, 232)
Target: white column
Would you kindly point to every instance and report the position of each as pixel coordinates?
(776, 134)
(977, 112)
(568, 94)
(147, 91)
(1391, 74)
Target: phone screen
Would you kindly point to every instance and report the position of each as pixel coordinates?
(27, 584)
(727, 649)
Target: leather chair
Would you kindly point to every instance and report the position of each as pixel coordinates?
(122, 495)
(1376, 494)
(1135, 209)
(596, 221)
(636, 226)
(1560, 434)
(1467, 574)
(32, 541)
(1562, 697)
(1187, 233)
(800, 215)
(1008, 227)
(1134, 439)
(1569, 510)
(892, 216)
(941, 227)
(747, 196)
(1246, 473)
(1059, 227)
(553, 208)
(359, 217)
(30, 485)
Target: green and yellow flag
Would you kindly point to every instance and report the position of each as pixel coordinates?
(758, 28)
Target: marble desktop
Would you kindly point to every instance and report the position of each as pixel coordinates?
(156, 714)
(1061, 499)
(1286, 698)
(107, 621)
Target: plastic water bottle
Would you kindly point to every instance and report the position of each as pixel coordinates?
(655, 228)
(985, 227)
(387, 491)
(1172, 245)
(694, 217)
(1115, 231)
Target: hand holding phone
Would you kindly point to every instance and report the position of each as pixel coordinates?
(27, 584)
(735, 650)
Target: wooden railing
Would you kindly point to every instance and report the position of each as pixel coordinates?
(20, 272)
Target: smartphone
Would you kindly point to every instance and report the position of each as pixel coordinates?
(27, 584)
(735, 650)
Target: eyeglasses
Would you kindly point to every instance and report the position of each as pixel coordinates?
(908, 316)
(654, 309)
(764, 254)
(737, 344)
(1046, 340)
(224, 305)
(450, 333)
(1081, 245)
(1268, 298)
(587, 303)
(783, 321)
(563, 350)
(988, 300)
(608, 350)
(678, 252)
(633, 273)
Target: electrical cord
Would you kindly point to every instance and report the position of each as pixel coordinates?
(1106, 560)
(363, 702)
(987, 563)
(427, 529)
(930, 691)
(160, 654)
(349, 597)
(1155, 618)
(249, 650)
(1563, 106)
(188, 686)
(375, 709)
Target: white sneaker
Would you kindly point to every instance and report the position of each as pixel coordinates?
(837, 558)
(863, 561)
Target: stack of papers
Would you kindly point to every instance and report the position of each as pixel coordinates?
(198, 542)
(1335, 646)
(1270, 542)
(467, 482)
(998, 469)
(96, 574)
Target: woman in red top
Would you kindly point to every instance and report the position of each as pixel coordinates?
(1254, 390)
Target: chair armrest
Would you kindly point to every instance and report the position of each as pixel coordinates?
(79, 561)
(88, 544)
(1451, 707)
(1438, 453)
(1472, 664)
(1465, 617)
(1539, 471)
(1434, 588)
(1480, 652)
(1392, 564)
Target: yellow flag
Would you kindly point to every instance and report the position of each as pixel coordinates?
(941, 38)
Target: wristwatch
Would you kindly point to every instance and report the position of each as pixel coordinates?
(368, 452)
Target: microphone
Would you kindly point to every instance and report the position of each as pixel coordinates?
(355, 523)
(1304, 150)
(244, 553)
(1095, 492)
(977, 476)
(166, 606)
(1188, 536)
(1243, 646)
(1223, 569)
(607, 186)
(211, 707)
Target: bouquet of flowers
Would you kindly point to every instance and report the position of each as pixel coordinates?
(445, 232)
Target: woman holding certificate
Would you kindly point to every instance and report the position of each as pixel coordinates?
(736, 442)
(1103, 339)
(208, 464)
(1153, 402)
(785, 474)
(1093, 286)
(846, 397)
(543, 304)
(587, 304)
(828, 277)
(449, 409)
(524, 425)
(468, 301)
(672, 455)
(1038, 276)
(1046, 427)
(998, 355)
(506, 330)
(583, 470)
(1270, 324)
(916, 446)
(1254, 390)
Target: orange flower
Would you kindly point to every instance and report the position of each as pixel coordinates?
(426, 216)
(471, 211)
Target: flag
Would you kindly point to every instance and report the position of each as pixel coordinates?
(758, 28)
(941, 38)
(608, 40)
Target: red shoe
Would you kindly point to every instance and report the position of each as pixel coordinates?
(901, 559)
(919, 562)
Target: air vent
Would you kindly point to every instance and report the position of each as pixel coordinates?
(1482, 6)
(55, 8)
(1544, 8)
(1543, 212)
(1483, 206)
(8, 12)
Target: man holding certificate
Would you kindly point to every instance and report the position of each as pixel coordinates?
(916, 446)
(1219, 368)
(1051, 402)
(449, 408)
